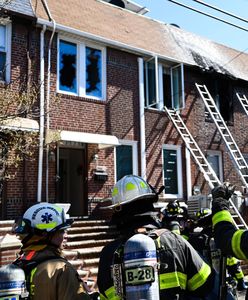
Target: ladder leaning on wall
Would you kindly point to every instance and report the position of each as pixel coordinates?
(201, 161)
(244, 101)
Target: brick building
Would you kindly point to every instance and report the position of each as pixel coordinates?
(114, 70)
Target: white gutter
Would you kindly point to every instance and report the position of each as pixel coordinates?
(48, 95)
(106, 41)
(142, 118)
(42, 100)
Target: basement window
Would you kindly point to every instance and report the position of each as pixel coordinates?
(164, 85)
(81, 69)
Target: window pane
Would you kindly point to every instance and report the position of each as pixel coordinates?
(170, 171)
(177, 88)
(215, 163)
(2, 65)
(150, 83)
(124, 161)
(67, 66)
(93, 72)
(2, 38)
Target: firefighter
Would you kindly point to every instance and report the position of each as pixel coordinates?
(43, 234)
(229, 239)
(171, 216)
(181, 271)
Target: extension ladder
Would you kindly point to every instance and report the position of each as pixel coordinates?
(244, 102)
(234, 152)
(201, 161)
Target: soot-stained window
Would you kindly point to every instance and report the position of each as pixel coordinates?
(68, 67)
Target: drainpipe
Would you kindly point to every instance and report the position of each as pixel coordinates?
(142, 118)
(48, 94)
(42, 100)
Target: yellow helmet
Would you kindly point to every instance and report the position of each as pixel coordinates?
(130, 188)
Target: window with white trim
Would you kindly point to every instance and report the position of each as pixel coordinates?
(215, 160)
(172, 171)
(5, 47)
(164, 86)
(126, 159)
(81, 69)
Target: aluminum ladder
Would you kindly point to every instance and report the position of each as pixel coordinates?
(244, 102)
(201, 161)
(233, 150)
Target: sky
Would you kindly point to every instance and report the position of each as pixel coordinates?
(169, 12)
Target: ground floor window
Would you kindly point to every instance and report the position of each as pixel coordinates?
(172, 171)
(126, 159)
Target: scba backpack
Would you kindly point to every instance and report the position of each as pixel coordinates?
(15, 278)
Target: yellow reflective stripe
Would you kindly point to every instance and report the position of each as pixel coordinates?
(220, 216)
(32, 286)
(46, 226)
(231, 261)
(199, 279)
(236, 241)
(172, 280)
(111, 295)
(239, 275)
(103, 297)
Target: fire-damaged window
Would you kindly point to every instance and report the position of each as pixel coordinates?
(164, 85)
(5, 40)
(82, 69)
(222, 91)
(172, 171)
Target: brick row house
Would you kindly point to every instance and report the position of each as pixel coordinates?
(114, 71)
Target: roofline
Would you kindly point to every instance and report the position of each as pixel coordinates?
(110, 42)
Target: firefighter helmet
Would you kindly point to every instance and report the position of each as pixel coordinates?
(130, 188)
(203, 212)
(43, 217)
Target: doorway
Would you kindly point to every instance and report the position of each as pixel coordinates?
(72, 180)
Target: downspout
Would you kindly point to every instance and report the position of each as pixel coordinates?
(42, 100)
(142, 118)
(48, 94)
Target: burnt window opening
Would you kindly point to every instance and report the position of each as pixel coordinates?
(222, 91)
(67, 67)
(93, 72)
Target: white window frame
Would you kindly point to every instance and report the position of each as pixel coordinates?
(8, 36)
(134, 145)
(178, 150)
(81, 65)
(219, 154)
(159, 104)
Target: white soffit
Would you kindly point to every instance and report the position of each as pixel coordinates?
(103, 141)
(18, 123)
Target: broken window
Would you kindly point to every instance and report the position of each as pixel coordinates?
(221, 90)
(67, 66)
(93, 72)
(82, 69)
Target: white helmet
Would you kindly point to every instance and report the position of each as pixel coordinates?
(130, 188)
(43, 217)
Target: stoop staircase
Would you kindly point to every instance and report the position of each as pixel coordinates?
(85, 240)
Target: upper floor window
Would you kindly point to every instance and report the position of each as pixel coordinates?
(222, 91)
(172, 163)
(164, 86)
(5, 41)
(82, 69)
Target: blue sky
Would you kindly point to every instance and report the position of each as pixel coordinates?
(168, 12)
